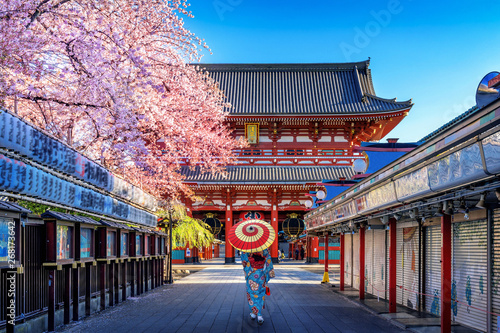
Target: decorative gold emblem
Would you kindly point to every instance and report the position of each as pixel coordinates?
(252, 133)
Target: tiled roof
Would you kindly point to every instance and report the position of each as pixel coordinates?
(11, 206)
(269, 174)
(115, 225)
(449, 124)
(69, 217)
(277, 89)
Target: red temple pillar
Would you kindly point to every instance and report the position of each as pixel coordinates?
(189, 207)
(229, 223)
(326, 278)
(362, 263)
(392, 266)
(342, 259)
(274, 224)
(446, 273)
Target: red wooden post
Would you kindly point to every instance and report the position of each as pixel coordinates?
(139, 276)
(326, 252)
(274, 224)
(229, 223)
(342, 259)
(76, 293)
(88, 290)
(132, 279)
(446, 273)
(52, 300)
(146, 274)
(102, 280)
(124, 281)
(154, 273)
(362, 263)
(392, 266)
(326, 278)
(67, 294)
(315, 250)
(111, 283)
(117, 281)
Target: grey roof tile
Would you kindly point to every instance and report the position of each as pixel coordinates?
(69, 217)
(269, 174)
(270, 89)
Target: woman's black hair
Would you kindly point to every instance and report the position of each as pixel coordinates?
(258, 257)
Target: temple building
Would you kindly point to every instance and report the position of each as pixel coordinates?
(303, 123)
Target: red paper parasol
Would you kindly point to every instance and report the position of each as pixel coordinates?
(251, 235)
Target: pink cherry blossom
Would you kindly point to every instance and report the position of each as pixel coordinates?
(111, 78)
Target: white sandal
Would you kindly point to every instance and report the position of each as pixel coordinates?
(253, 315)
(260, 320)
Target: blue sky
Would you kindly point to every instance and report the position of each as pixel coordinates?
(433, 52)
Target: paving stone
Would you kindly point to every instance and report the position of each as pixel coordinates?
(212, 299)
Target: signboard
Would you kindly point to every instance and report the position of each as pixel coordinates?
(252, 133)
(18, 177)
(25, 140)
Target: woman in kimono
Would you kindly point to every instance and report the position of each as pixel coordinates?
(258, 269)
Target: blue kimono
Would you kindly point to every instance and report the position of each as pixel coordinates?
(257, 280)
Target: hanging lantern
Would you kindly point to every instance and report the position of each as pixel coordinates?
(293, 226)
(213, 222)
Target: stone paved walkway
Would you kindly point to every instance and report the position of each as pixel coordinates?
(214, 300)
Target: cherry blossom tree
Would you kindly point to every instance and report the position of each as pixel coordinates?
(112, 78)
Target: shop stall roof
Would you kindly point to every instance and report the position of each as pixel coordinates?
(115, 225)
(13, 207)
(69, 217)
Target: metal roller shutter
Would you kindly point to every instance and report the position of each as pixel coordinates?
(369, 261)
(410, 267)
(495, 270)
(379, 263)
(348, 259)
(433, 269)
(355, 261)
(469, 265)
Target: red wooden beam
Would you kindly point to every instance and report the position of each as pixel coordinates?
(446, 273)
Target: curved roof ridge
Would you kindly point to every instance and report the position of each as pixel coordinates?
(390, 100)
(284, 66)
